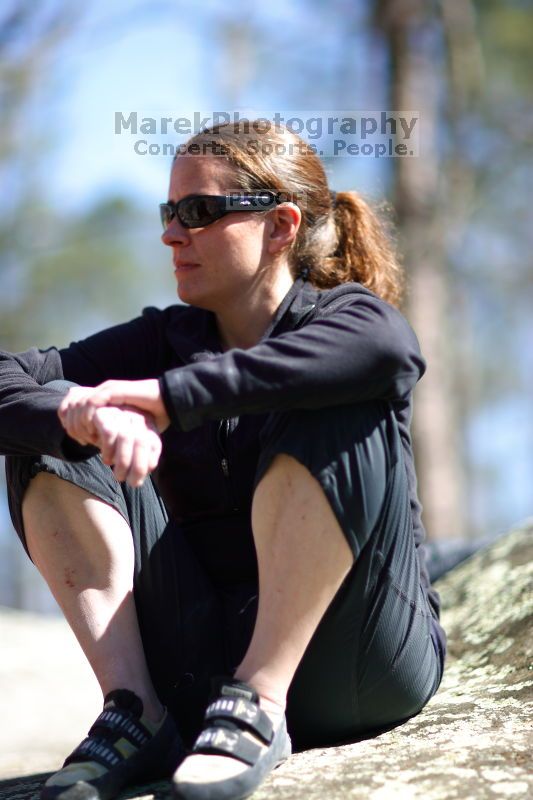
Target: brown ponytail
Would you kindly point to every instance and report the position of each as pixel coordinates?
(364, 251)
(341, 238)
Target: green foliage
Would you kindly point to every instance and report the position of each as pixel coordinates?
(68, 272)
(505, 34)
(62, 274)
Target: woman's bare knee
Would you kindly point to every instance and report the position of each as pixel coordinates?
(62, 519)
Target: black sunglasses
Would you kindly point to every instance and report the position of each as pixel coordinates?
(199, 210)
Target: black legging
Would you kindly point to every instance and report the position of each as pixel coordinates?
(373, 660)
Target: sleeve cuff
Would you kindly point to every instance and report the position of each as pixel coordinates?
(71, 450)
(166, 396)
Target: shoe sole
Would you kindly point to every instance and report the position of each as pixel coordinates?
(138, 768)
(245, 784)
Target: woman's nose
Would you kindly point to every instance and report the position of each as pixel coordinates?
(175, 233)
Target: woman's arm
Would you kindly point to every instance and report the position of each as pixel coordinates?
(361, 351)
(28, 410)
(29, 423)
(364, 350)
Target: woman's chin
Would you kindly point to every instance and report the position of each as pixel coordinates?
(191, 295)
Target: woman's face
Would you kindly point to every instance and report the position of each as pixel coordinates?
(227, 258)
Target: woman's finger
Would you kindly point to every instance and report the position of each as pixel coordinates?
(76, 412)
(156, 447)
(80, 425)
(106, 443)
(147, 451)
(71, 424)
(71, 397)
(127, 441)
(139, 468)
(123, 455)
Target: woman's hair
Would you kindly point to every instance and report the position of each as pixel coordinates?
(340, 238)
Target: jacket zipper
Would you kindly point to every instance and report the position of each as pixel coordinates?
(221, 436)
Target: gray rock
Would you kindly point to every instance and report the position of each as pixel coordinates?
(473, 740)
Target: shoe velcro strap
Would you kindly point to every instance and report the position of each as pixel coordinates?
(121, 724)
(244, 713)
(226, 742)
(93, 749)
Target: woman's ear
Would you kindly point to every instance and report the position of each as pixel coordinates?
(284, 222)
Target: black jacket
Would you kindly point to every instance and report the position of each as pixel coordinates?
(322, 348)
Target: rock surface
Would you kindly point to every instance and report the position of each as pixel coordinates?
(473, 740)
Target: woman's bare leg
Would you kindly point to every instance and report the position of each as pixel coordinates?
(303, 557)
(84, 550)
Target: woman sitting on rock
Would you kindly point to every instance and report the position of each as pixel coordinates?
(224, 505)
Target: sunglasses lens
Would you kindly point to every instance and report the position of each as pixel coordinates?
(166, 214)
(196, 212)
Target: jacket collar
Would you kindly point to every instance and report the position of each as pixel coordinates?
(297, 299)
(198, 339)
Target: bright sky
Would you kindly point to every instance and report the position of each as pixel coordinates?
(158, 67)
(140, 72)
(170, 64)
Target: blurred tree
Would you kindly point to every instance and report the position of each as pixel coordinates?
(464, 69)
(28, 38)
(419, 41)
(62, 273)
(85, 263)
(74, 274)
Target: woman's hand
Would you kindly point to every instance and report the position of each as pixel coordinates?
(127, 439)
(123, 420)
(79, 405)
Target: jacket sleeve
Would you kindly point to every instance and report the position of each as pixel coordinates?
(28, 409)
(364, 350)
